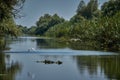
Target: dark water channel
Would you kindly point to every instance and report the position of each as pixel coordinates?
(56, 61)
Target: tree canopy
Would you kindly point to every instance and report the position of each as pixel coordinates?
(110, 8)
(92, 24)
(10, 7)
(8, 10)
(47, 21)
(87, 11)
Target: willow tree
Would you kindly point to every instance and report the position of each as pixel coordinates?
(9, 9)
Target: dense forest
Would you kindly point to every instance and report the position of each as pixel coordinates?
(91, 23)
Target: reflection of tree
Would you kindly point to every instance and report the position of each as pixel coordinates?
(110, 65)
(41, 43)
(2, 43)
(84, 45)
(8, 72)
(87, 63)
(53, 43)
(49, 43)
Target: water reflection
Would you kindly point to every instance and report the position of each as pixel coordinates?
(49, 44)
(71, 67)
(43, 43)
(8, 69)
(107, 65)
(84, 45)
(2, 44)
(52, 43)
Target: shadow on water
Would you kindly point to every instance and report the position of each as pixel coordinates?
(49, 44)
(109, 65)
(8, 68)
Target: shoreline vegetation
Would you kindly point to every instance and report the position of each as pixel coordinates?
(90, 26)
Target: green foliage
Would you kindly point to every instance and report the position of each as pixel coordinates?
(31, 30)
(111, 7)
(88, 25)
(109, 32)
(76, 19)
(81, 6)
(87, 11)
(59, 30)
(8, 10)
(82, 30)
(47, 21)
(22, 29)
(105, 30)
(10, 7)
(8, 27)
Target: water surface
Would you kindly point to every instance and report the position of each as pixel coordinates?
(56, 61)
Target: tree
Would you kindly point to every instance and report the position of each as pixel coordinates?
(56, 20)
(76, 19)
(42, 24)
(81, 6)
(92, 6)
(47, 21)
(88, 11)
(31, 30)
(8, 10)
(10, 7)
(23, 29)
(110, 8)
(8, 27)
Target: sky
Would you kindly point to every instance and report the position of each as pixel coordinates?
(33, 9)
